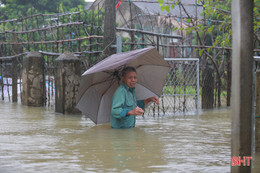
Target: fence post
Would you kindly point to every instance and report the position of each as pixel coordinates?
(14, 79)
(14, 68)
(67, 80)
(118, 44)
(257, 114)
(33, 84)
(207, 87)
(109, 28)
(229, 74)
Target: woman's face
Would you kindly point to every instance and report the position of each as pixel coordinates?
(130, 79)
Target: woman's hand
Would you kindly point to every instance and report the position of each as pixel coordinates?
(136, 111)
(152, 99)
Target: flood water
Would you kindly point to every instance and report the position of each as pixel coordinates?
(39, 140)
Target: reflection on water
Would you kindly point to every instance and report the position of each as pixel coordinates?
(39, 140)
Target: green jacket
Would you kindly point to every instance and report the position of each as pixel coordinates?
(122, 103)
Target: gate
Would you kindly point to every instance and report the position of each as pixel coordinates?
(180, 94)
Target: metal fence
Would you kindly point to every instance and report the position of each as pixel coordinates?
(180, 94)
(6, 77)
(181, 91)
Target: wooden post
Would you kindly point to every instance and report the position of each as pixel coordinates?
(242, 82)
(132, 34)
(109, 28)
(229, 74)
(208, 87)
(14, 68)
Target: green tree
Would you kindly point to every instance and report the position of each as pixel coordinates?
(14, 8)
(216, 22)
(213, 32)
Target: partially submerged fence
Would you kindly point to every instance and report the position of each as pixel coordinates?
(181, 95)
(82, 34)
(11, 70)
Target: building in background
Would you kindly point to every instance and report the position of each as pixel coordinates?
(148, 16)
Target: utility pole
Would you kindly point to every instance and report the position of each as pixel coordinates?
(109, 28)
(242, 85)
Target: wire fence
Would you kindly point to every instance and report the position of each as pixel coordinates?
(79, 32)
(140, 24)
(6, 77)
(180, 95)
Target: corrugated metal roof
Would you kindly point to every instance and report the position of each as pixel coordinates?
(154, 8)
(88, 6)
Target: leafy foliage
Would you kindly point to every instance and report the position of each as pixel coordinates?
(15, 8)
(212, 33)
(216, 21)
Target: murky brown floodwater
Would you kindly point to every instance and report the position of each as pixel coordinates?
(39, 140)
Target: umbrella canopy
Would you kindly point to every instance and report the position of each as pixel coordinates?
(99, 83)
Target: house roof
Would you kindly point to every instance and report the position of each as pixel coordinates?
(154, 8)
(88, 6)
(93, 5)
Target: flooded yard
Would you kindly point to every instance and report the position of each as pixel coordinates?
(40, 140)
